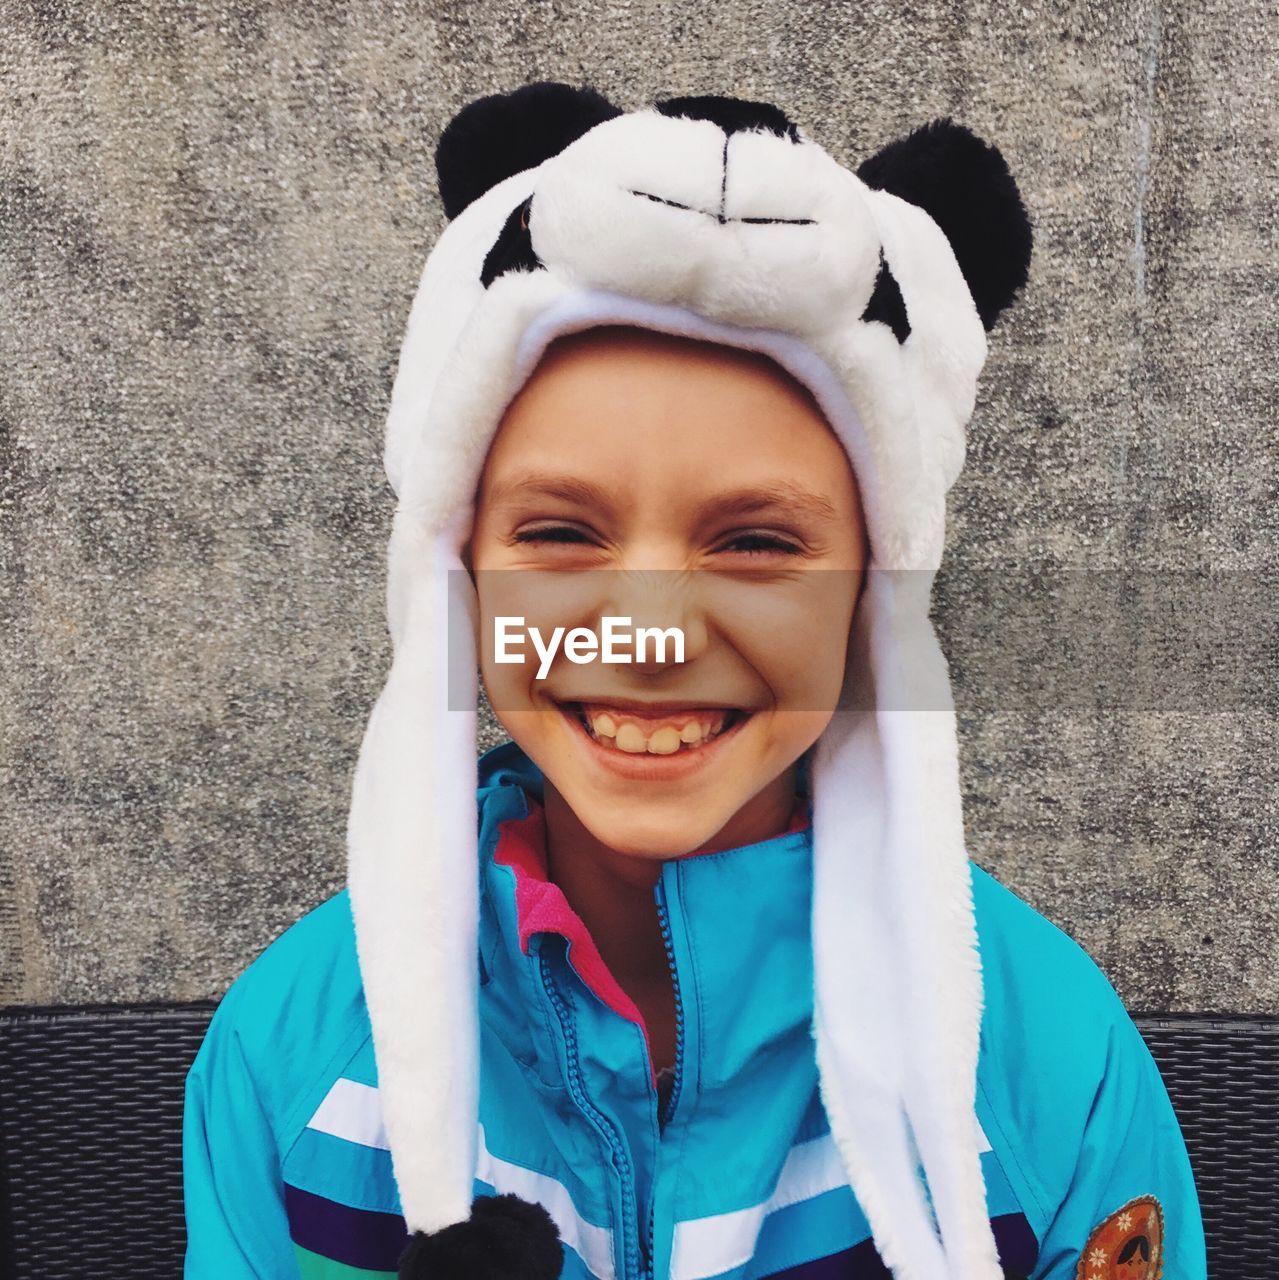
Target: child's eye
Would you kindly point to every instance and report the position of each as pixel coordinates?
(759, 543)
(557, 533)
(751, 542)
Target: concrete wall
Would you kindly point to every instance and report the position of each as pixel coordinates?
(214, 216)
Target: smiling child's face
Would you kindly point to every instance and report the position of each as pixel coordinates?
(680, 484)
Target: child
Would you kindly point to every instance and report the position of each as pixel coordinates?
(730, 1000)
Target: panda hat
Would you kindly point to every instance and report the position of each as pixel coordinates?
(721, 220)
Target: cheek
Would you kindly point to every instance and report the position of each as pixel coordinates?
(504, 594)
(542, 602)
(795, 636)
(507, 689)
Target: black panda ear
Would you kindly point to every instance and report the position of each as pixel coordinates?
(963, 184)
(505, 133)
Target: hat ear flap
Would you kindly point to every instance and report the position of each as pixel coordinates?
(964, 185)
(494, 137)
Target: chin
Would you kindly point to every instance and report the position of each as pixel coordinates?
(666, 832)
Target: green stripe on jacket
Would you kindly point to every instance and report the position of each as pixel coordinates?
(315, 1266)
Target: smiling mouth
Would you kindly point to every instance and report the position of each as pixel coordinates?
(631, 731)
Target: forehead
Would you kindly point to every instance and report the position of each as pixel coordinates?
(634, 416)
(645, 370)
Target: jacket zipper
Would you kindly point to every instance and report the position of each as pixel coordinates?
(606, 1129)
(665, 1113)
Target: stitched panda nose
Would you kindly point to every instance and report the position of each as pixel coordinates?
(718, 214)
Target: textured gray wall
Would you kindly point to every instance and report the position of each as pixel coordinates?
(214, 216)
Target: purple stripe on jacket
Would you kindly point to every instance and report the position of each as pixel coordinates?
(1018, 1251)
(361, 1238)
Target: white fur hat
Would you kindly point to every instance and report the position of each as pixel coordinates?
(717, 219)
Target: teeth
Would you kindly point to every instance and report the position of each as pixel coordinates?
(615, 730)
(630, 737)
(665, 741)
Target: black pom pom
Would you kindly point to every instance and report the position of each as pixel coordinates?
(963, 184)
(505, 133)
(505, 1238)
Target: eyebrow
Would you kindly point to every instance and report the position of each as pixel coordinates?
(741, 502)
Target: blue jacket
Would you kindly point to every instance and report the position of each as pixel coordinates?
(287, 1171)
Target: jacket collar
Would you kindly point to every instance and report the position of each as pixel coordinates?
(739, 920)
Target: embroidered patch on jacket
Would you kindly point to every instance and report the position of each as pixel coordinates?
(1128, 1245)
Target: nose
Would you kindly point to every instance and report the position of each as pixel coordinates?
(658, 601)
